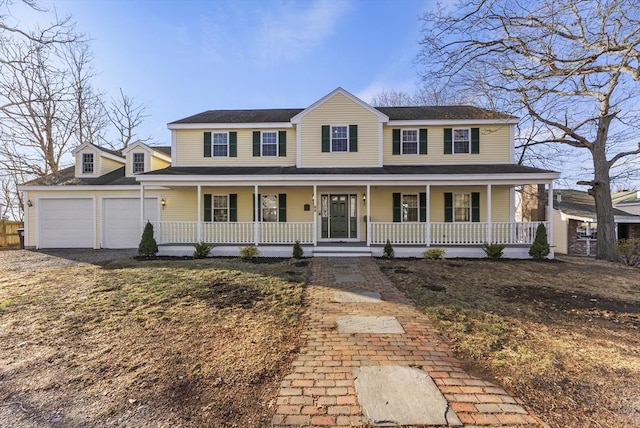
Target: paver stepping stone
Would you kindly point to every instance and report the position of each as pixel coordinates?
(395, 395)
(371, 324)
(349, 277)
(357, 297)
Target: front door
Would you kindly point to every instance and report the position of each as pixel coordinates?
(339, 223)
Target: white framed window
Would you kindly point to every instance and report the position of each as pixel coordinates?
(269, 208)
(461, 140)
(410, 207)
(409, 142)
(461, 207)
(220, 208)
(138, 162)
(87, 163)
(220, 142)
(269, 143)
(339, 138)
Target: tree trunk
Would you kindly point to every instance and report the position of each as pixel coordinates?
(601, 191)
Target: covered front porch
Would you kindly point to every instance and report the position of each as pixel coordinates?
(354, 218)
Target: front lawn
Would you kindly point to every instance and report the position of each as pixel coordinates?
(147, 343)
(562, 335)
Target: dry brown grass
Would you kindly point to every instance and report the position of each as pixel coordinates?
(562, 335)
(154, 343)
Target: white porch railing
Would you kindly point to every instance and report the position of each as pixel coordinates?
(186, 232)
(454, 233)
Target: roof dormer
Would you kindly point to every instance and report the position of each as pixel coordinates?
(95, 161)
(142, 158)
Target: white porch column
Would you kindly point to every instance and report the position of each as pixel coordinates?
(315, 215)
(256, 210)
(141, 207)
(550, 220)
(427, 237)
(368, 215)
(199, 199)
(489, 220)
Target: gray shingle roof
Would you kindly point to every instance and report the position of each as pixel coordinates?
(66, 177)
(580, 204)
(394, 113)
(162, 149)
(491, 169)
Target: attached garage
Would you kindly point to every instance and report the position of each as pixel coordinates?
(121, 226)
(66, 223)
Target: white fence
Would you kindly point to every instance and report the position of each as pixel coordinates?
(189, 232)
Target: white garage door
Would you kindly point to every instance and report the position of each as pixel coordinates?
(121, 221)
(66, 223)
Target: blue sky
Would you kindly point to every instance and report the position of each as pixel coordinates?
(183, 57)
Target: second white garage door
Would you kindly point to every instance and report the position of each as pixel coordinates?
(121, 221)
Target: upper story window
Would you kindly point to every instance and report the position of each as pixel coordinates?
(409, 141)
(461, 140)
(269, 143)
(410, 207)
(220, 144)
(138, 162)
(87, 163)
(462, 207)
(339, 138)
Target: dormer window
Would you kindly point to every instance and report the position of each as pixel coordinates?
(138, 162)
(87, 163)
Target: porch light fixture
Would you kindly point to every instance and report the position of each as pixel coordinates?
(163, 202)
(29, 203)
(364, 198)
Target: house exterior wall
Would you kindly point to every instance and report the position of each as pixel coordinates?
(578, 246)
(495, 141)
(108, 165)
(190, 149)
(560, 232)
(339, 110)
(157, 163)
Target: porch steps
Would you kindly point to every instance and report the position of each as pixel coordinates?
(341, 251)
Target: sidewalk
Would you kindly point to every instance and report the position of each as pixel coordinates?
(328, 386)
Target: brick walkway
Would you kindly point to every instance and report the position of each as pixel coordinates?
(320, 392)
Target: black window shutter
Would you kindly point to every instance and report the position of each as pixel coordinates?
(259, 207)
(423, 207)
(282, 144)
(256, 143)
(207, 208)
(397, 208)
(423, 142)
(396, 141)
(353, 138)
(448, 141)
(207, 144)
(233, 144)
(233, 207)
(282, 207)
(448, 207)
(475, 140)
(326, 139)
(475, 207)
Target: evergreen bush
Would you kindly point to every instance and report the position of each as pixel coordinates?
(387, 251)
(249, 252)
(202, 250)
(493, 251)
(434, 254)
(298, 252)
(628, 251)
(148, 246)
(540, 248)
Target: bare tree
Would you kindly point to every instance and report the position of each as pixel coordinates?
(571, 65)
(126, 116)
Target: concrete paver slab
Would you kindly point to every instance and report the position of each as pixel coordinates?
(396, 395)
(371, 324)
(349, 277)
(357, 296)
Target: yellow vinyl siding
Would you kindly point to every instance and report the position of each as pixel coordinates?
(494, 146)
(181, 204)
(108, 165)
(560, 232)
(190, 149)
(339, 110)
(382, 201)
(157, 163)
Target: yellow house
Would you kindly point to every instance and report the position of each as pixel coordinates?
(340, 176)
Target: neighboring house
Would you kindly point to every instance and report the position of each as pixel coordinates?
(338, 176)
(575, 225)
(627, 200)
